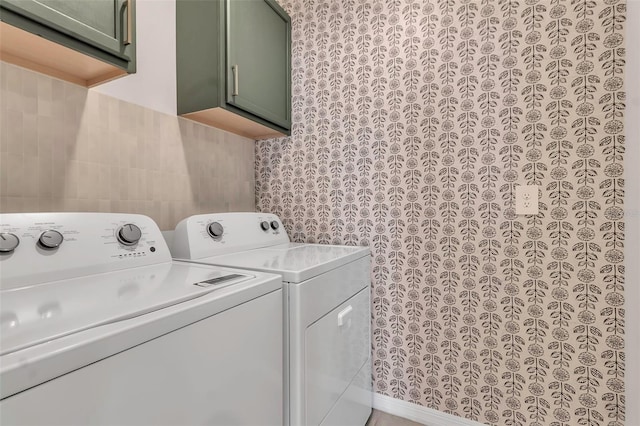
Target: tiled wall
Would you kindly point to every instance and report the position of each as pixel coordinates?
(65, 148)
(413, 122)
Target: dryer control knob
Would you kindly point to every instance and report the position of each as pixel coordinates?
(215, 230)
(264, 225)
(8, 242)
(129, 234)
(275, 225)
(50, 239)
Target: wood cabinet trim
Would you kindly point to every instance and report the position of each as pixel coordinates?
(30, 51)
(234, 123)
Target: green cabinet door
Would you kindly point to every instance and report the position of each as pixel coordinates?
(258, 60)
(105, 27)
(234, 56)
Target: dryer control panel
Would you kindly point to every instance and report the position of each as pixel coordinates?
(43, 247)
(207, 235)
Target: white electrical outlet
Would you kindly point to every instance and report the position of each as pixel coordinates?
(527, 199)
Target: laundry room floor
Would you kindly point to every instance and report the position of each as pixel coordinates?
(380, 418)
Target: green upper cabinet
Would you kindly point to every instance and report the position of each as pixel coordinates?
(258, 53)
(95, 36)
(234, 65)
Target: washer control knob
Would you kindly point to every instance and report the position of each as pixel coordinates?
(264, 225)
(50, 239)
(215, 230)
(275, 225)
(129, 234)
(8, 242)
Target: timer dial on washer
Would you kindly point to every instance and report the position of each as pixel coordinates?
(264, 225)
(8, 242)
(275, 225)
(215, 230)
(129, 234)
(50, 239)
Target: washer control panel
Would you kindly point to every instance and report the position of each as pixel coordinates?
(212, 234)
(41, 247)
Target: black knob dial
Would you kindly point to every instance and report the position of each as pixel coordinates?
(215, 230)
(8, 242)
(275, 225)
(129, 234)
(264, 225)
(50, 239)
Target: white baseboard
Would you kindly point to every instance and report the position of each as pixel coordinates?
(418, 413)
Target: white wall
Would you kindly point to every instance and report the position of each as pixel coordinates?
(154, 84)
(632, 201)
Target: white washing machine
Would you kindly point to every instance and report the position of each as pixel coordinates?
(327, 309)
(100, 326)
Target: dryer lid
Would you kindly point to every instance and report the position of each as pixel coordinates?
(296, 262)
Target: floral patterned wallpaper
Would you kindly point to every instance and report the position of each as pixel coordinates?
(413, 122)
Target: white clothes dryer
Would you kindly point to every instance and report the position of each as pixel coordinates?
(326, 304)
(101, 327)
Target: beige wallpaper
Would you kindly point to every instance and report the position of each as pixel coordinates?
(65, 148)
(413, 122)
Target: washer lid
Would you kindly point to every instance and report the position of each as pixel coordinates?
(294, 261)
(41, 313)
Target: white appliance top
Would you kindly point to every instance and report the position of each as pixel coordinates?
(256, 241)
(294, 261)
(77, 287)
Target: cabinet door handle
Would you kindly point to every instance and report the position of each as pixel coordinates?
(129, 6)
(343, 316)
(235, 80)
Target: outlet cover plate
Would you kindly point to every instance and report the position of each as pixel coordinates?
(527, 199)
